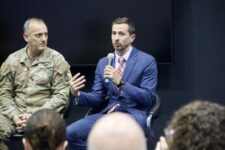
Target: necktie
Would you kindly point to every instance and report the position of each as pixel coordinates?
(121, 67)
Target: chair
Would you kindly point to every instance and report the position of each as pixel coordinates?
(99, 108)
(153, 114)
(66, 111)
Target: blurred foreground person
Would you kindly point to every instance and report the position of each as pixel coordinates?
(45, 130)
(199, 125)
(117, 131)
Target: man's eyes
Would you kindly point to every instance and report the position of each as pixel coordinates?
(39, 35)
(120, 33)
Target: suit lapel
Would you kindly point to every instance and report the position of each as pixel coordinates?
(130, 64)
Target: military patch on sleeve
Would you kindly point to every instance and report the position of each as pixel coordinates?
(62, 68)
(68, 76)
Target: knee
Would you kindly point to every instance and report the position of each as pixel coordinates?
(71, 133)
(77, 132)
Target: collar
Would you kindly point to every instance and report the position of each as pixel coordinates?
(125, 56)
(42, 58)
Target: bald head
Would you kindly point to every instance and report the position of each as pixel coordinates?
(30, 22)
(116, 131)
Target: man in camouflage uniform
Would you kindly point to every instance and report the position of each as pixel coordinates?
(32, 78)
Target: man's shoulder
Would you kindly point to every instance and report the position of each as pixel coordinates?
(142, 54)
(61, 65)
(102, 62)
(16, 56)
(54, 56)
(12, 61)
(53, 53)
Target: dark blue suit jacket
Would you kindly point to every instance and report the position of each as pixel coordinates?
(136, 97)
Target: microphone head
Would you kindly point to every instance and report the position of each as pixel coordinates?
(110, 60)
(110, 56)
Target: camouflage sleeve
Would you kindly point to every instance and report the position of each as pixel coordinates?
(7, 103)
(60, 87)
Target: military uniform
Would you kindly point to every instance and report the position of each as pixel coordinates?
(28, 85)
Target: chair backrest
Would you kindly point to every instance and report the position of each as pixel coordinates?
(67, 109)
(154, 111)
(153, 114)
(99, 108)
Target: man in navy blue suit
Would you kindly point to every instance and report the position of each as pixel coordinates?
(131, 88)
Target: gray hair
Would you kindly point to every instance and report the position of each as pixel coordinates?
(28, 21)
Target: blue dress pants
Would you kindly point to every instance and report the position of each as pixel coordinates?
(77, 132)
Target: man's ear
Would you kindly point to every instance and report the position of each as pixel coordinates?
(132, 37)
(25, 37)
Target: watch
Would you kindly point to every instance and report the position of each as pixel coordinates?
(121, 84)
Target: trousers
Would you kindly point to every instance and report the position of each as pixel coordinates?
(6, 128)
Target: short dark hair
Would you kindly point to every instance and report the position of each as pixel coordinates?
(125, 20)
(45, 130)
(200, 125)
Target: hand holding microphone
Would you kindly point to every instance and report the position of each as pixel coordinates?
(110, 72)
(110, 57)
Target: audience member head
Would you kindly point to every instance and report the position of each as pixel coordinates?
(45, 130)
(199, 125)
(116, 131)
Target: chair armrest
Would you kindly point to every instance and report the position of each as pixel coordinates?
(99, 108)
(67, 109)
(154, 111)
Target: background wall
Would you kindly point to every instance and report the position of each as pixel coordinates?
(199, 51)
(79, 27)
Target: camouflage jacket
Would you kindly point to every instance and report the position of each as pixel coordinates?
(28, 86)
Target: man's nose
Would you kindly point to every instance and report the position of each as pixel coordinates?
(116, 37)
(43, 37)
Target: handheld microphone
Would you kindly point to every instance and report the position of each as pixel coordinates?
(110, 57)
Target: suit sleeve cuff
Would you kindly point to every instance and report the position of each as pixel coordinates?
(76, 100)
